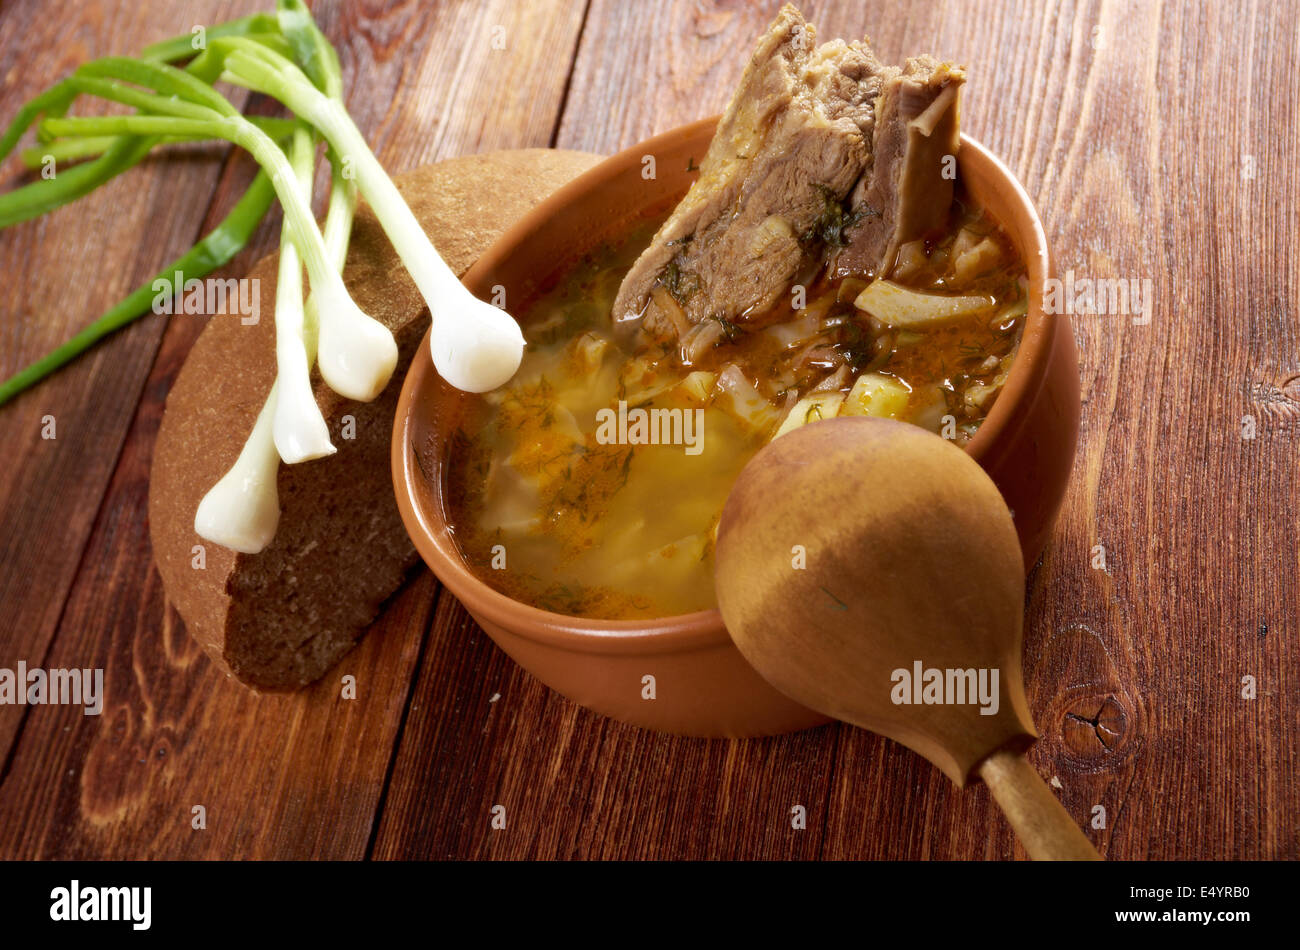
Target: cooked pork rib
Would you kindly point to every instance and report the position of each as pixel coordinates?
(823, 152)
(793, 142)
(908, 193)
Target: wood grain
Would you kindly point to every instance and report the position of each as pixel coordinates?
(1120, 661)
(60, 272)
(1159, 141)
(296, 776)
(483, 733)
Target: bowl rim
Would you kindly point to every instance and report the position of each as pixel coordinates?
(701, 629)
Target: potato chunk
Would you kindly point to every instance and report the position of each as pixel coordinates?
(809, 409)
(874, 394)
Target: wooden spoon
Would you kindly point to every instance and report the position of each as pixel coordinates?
(854, 553)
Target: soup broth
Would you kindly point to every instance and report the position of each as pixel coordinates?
(591, 484)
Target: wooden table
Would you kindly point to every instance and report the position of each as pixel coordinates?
(1160, 142)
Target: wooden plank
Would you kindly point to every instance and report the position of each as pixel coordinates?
(641, 69)
(597, 788)
(1134, 670)
(489, 75)
(645, 68)
(481, 733)
(61, 271)
(279, 776)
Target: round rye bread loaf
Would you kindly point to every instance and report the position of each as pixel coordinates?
(279, 619)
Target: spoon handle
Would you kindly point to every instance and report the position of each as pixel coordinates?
(1041, 822)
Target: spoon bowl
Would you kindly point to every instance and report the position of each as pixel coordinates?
(870, 570)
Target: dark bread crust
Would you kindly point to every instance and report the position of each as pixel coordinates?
(279, 619)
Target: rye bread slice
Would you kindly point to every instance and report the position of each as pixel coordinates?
(279, 619)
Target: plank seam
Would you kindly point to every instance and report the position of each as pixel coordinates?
(568, 78)
(396, 749)
(12, 751)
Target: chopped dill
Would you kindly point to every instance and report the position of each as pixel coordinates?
(832, 221)
(729, 329)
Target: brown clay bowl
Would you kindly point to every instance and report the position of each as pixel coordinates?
(703, 687)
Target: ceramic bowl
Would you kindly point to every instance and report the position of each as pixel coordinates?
(702, 685)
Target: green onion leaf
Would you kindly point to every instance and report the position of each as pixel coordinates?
(182, 47)
(42, 196)
(53, 101)
(311, 49)
(161, 78)
(65, 150)
(115, 91)
(214, 250)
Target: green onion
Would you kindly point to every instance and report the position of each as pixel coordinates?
(72, 149)
(67, 150)
(311, 49)
(41, 197)
(476, 347)
(182, 47)
(53, 101)
(242, 510)
(357, 354)
(300, 430)
(170, 82)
